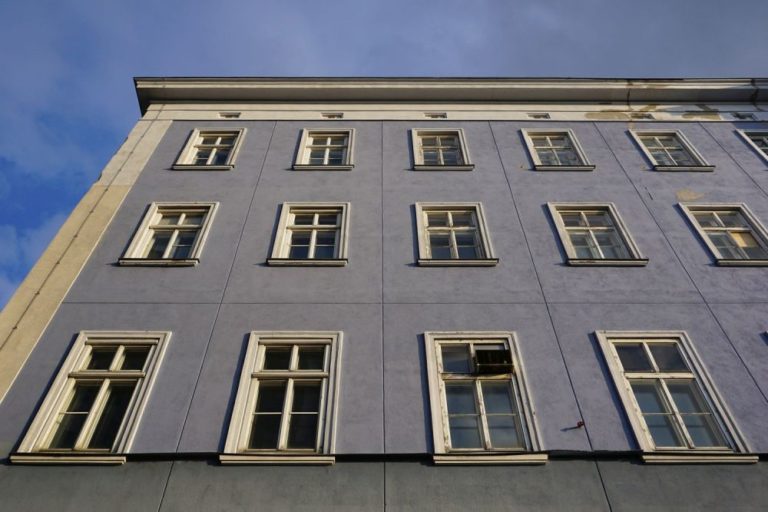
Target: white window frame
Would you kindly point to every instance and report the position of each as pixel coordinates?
(737, 444)
(528, 135)
(185, 160)
(282, 239)
(236, 449)
(701, 164)
(747, 136)
(486, 246)
(636, 258)
(757, 230)
(443, 453)
(143, 235)
(302, 155)
(418, 156)
(33, 448)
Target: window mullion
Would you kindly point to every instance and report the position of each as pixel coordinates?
(483, 419)
(282, 442)
(321, 415)
(312, 242)
(171, 242)
(678, 417)
(595, 244)
(117, 359)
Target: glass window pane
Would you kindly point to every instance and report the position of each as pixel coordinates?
(271, 396)
(497, 397)
(703, 431)
(299, 253)
(463, 219)
(668, 358)
(465, 432)
(104, 435)
(452, 157)
(633, 357)
(682, 157)
(182, 246)
(456, 358)
(598, 219)
(733, 219)
(687, 398)
(437, 219)
(265, 431)
(583, 245)
(303, 219)
(749, 245)
(157, 245)
(317, 157)
(725, 245)
(504, 431)
(572, 219)
(169, 219)
(431, 157)
(324, 252)
(221, 156)
(134, 358)
(336, 157)
(277, 358)
(101, 358)
(302, 433)
(650, 142)
(460, 397)
(327, 219)
(662, 431)
(440, 246)
(611, 245)
(306, 397)
(568, 157)
(72, 419)
(706, 220)
(194, 219)
(548, 157)
(429, 141)
(648, 397)
(311, 358)
(325, 238)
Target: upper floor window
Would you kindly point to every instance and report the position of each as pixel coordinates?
(670, 151)
(758, 140)
(556, 150)
(479, 398)
(210, 149)
(286, 399)
(453, 234)
(594, 234)
(311, 234)
(668, 396)
(94, 405)
(440, 149)
(731, 232)
(171, 234)
(325, 150)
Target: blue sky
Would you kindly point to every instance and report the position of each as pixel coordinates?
(67, 99)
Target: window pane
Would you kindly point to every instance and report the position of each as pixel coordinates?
(460, 397)
(463, 219)
(465, 432)
(650, 142)
(440, 246)
(725, 245)
(583, 245)
(662, 431)
(572, 219)
(303, 219)
(437, 219)
(202, 156)
(497, 397)
(299, 253)
(504, 431)
(598, 219)
(456, 358)
(182, 246)
(648, 397)
(194, 219)
(311, 358)
(317, 157)
(325, 238)
(336, 157)
(568, 157)
(327, 219)
(158, 244)
(112, 416)
(101, 358)
(687, 398)
(325, 252)
(682, 157)
(221, 156)
(277, 358)
(749, 245)
(465, 246)
(668, 358)
(337, 140)
(431, 157)
(265, 431)
(271, 396)
(134, 358)
(697, 416)
(306, 397)
(169, 219)
(72, 419)
(706, 220)
(302, 433)
(633, 357)
(452, 157)
(429, 141)
(732, 219)
(548, 157)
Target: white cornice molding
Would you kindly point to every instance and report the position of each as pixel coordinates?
(564, 90)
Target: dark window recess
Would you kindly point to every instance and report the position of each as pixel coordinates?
(493, 361)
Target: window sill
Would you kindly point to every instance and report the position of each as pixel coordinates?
(421, 167)
(289, 262)
(699, 458)
(54, 459)
(143, 262)
(564, 167)
(193, 167)
(742, 263)
(492, 459)
(250, 459)
(684, 168)
(311, 167)
(588, 262)
(486, 262)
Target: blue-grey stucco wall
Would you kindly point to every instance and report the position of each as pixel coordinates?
(384, 302)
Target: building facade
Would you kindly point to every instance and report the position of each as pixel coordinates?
(404, 294)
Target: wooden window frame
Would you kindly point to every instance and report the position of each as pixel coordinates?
(186, 157)
(302, 155)
(281, 246)
(701, 164)
(476, 209)
(528, 136)
(418, 155)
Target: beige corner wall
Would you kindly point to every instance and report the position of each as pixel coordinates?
(34, 303)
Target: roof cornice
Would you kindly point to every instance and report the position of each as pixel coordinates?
(525, 90)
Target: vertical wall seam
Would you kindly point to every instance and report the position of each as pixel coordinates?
(685, 269)
(165, 487)
(602, 484)
(226, 286)
(383, 373)
(541, 286)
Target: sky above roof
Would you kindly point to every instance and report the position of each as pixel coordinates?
(67, 100)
